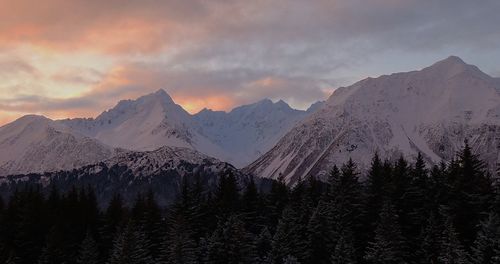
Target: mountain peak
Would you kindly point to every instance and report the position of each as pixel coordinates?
(453, 60)
(160, 95)
(453, 66)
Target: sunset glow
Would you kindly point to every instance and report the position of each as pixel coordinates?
(78, 58)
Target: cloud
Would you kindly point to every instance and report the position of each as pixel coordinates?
(219, 54)
(275, 26)
(36, 104)
(215, 89)
(11, 65)
(78, 75)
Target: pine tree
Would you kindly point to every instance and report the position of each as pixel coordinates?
(179, 246)
(111, 223)
(319, 236)
(52, 252)
(450, 249)
(486, 248)
(130, 247)
(251, 204)
(263, 245)
(344, 252)
(227, 195)
(416, 202)
(275, 202)
(375, 192)
(88, 253)
(151, 225)
(472, 189)
(401, 194)
(429, 241)
(231, 243)
(345, 207)
(388, 246)
(288, 239)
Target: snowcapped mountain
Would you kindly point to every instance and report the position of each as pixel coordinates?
(431, 111)
(154, 120)
(248, 131)
(131, 172)
(38, 144)
(147, 123)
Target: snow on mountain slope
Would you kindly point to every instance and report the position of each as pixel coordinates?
(38, 144)
(430, 111)
(150, 122)
(147, 163)
(248, 131)
(154, 120)
(132, 172)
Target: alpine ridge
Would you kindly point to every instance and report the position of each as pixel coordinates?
(34, 144)
(38, 144)
(432, 111)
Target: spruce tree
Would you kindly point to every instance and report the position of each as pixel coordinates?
(88, 253)
(53, 251)
(319, 236)
(179, 246)
(486, 248)
(263, 245)
(472, 189)
(130, 247)
(227, 195)
(231, 243)
(388, 245)
(450, 249)
(288, 238)
(275, 202)
(429, 241)
(251, 208)
(375, 192)
(344, 252)
(345, 207)
(111, 223)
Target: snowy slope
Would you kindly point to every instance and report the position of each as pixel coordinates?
(148, 123)
(248, 131)
(38, 144)
(148, 163)
(430, 111)
(154, 120)
(131, 172)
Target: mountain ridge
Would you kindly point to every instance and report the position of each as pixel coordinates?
(397, 114)
(153, 121)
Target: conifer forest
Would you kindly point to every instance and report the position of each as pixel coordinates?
(399, 212)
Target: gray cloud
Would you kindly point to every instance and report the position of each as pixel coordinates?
(297, 50)
(12, 65)
(34, 104)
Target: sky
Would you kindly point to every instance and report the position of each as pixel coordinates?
(71, 58)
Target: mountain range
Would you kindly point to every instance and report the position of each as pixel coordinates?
(38, 144)
(432, 111)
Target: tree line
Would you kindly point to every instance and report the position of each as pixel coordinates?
(402, 212)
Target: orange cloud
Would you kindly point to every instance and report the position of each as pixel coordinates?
(112, 27)
(195, 104)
